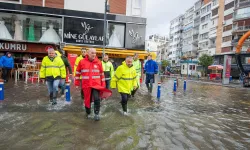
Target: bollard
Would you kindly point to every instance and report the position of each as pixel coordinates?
(67, 92)
(159, 91)
(185, 85)
(1, 90)
(174, 86)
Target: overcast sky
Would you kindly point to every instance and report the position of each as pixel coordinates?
(159, 13)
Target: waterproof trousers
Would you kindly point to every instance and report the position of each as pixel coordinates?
(95, 96)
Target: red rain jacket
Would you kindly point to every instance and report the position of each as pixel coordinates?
(92, 78)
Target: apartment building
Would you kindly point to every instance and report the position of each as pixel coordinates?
(188, 48)
(175, 41)
(204, 28)
(241, 23)
(196, 26)
(159, 45)
(226, 46)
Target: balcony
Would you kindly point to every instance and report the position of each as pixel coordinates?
(235, 42)
(241, 28)
(227, 33)
(212, 46)
(195, 41)
(243, 4)
(195, 32)
(215, 5)
(241, 16)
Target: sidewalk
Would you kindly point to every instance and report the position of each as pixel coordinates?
(204, 80)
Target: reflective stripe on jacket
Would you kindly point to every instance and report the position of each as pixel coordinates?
(108, 70)
(52, 68)
(91, 72)
(125, 79)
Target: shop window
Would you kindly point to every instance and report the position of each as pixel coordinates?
(116, 34)
(21, 27)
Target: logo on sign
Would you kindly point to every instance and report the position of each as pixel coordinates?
(135, 36)
(84, 34)
(86, 27)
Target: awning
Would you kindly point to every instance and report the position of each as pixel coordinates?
(117, 53)
(215, 67)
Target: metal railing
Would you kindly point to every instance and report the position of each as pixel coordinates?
(240, 16)
(212, 46)
(241, 28)
(243, 4)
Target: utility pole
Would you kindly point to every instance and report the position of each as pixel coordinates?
(105, 28)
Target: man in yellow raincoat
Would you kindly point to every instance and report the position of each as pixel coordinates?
(52, 70)
(78, 59)
(125, 80)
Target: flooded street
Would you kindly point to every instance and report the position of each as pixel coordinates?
(204, 117)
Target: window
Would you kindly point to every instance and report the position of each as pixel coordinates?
(137, 3)
(227, 28)
(227, 38)
(208, 8)
(31, 28)
(203, 10)
(215, 12)
(205, 18)
(116, 34)
(230, 16)
(204, 26)
(229, 5)
(204, 36)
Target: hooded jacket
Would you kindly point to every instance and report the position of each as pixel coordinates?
(124, 79)
(7, 62)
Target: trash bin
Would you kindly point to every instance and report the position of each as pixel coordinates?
(231, 78)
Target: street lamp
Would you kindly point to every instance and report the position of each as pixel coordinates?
(105, 27)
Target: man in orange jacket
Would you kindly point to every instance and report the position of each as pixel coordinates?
(93, 82)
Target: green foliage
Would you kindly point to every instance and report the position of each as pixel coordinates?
(206, 60)
(164, 64)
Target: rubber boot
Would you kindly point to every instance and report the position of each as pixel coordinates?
(124, 107)
(51, 97)
(96, 110)
(55, 99)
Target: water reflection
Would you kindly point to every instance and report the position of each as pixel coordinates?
(203, 117)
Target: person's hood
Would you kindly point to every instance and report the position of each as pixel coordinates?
(7, 53)
(58, 53)
(124, 64)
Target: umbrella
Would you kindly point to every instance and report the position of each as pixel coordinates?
(215, 67)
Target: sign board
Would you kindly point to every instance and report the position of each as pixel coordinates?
(228, 66)
(83, 31)
(10, 46)
(135, 36)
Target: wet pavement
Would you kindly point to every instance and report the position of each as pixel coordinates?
(204, 117)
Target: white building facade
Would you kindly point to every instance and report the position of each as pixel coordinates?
(175, 41)
(159, 45)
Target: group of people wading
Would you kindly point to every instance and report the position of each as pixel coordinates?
(96, 77)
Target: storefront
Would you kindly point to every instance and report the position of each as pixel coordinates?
(37, 27)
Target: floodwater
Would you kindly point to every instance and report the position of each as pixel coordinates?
(204, 117)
